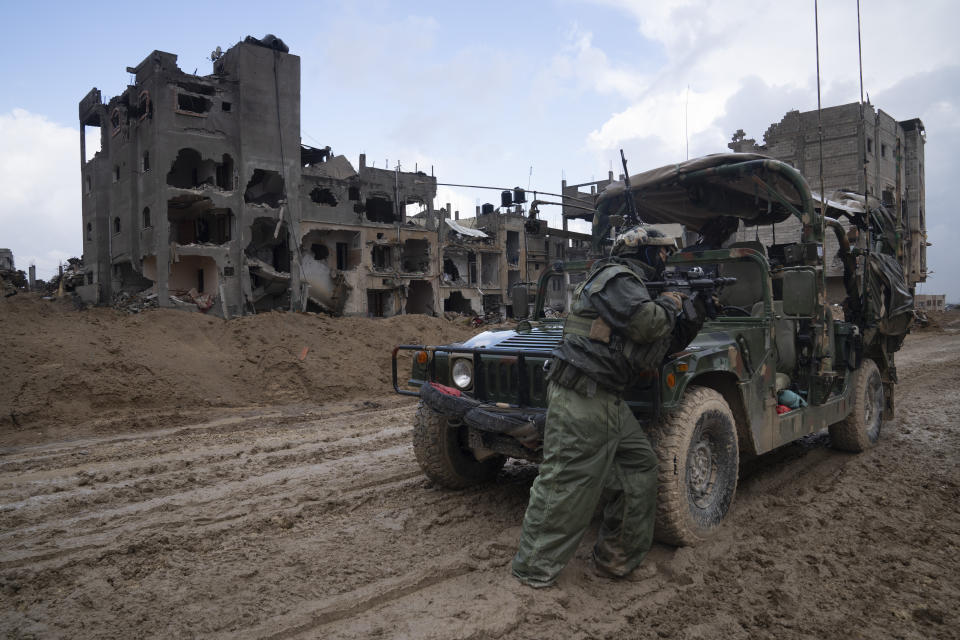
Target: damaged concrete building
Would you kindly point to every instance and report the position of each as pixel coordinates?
(201, 191)
(875, 152)
(501, 249)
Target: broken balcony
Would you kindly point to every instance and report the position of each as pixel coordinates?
(459, 267)
(268, 261)
(265, 188)
(194, 220)
(191, 171)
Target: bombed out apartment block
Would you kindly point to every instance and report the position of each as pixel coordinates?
(875, 152)
(201, 192)
(486, 259)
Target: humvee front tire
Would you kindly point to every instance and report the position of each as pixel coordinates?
(699, 459)
(861, 429)
(443, 455)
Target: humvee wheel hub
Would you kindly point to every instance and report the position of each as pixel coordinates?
(700, 469)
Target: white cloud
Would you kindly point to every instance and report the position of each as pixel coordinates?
(590, 69)
(716, 47)
(40, 216)
(668, 116)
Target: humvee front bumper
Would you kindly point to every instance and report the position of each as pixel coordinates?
(511, 431)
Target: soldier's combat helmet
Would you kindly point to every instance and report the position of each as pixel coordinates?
(633, 241)
(644, 243)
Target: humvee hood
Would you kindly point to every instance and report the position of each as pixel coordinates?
(540, 336)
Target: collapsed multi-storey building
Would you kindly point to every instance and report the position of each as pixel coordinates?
(202, 191)
(869, 151)
(6, 260)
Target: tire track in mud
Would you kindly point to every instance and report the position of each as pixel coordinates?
(206, 479)
(338, 535)
(365, 463)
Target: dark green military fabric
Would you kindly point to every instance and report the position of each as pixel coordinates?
(638, 328)
(592, 440)
(592, 445)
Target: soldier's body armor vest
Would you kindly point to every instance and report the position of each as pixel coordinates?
(585, 321)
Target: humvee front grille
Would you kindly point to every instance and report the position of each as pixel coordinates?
(501, 382)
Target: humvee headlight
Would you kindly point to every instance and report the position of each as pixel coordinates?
(462, 373)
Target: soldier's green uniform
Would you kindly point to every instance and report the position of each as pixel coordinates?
(593, 441)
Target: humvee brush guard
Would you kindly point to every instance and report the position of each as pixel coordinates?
(715, 402)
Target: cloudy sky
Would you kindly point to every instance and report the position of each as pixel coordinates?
(500, 93)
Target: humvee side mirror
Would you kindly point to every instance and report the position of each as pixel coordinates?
(799, 293)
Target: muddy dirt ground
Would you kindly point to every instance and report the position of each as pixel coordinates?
(308, 518)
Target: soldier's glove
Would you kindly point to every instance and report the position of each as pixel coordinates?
(689, 322)
(675, 299)
(697, 309)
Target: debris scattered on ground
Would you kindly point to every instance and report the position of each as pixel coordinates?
(135, 302)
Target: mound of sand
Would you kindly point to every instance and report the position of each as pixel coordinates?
(940, 321)
(62, 366)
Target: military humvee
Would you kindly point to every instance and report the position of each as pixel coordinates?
(719, 400)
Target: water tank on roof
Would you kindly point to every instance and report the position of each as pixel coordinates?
(506, 199)
(487, 208)
(519, 195)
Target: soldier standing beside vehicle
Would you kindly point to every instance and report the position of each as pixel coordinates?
(592, 442)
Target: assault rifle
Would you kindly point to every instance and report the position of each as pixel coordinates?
(692, 283)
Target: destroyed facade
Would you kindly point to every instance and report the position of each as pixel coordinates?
(875, 152)
(202, 192)
(930, 301)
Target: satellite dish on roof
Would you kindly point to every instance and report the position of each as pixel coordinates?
(215, 55)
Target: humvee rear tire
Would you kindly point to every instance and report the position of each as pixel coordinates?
(861, 429)
(443, 455)
(699, 459)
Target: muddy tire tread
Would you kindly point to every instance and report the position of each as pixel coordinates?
(670, 436)
(850, 434)
(440, 456)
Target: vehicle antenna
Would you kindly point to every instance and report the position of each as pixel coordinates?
(866, 188)
(823, 196)
(686, 122)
